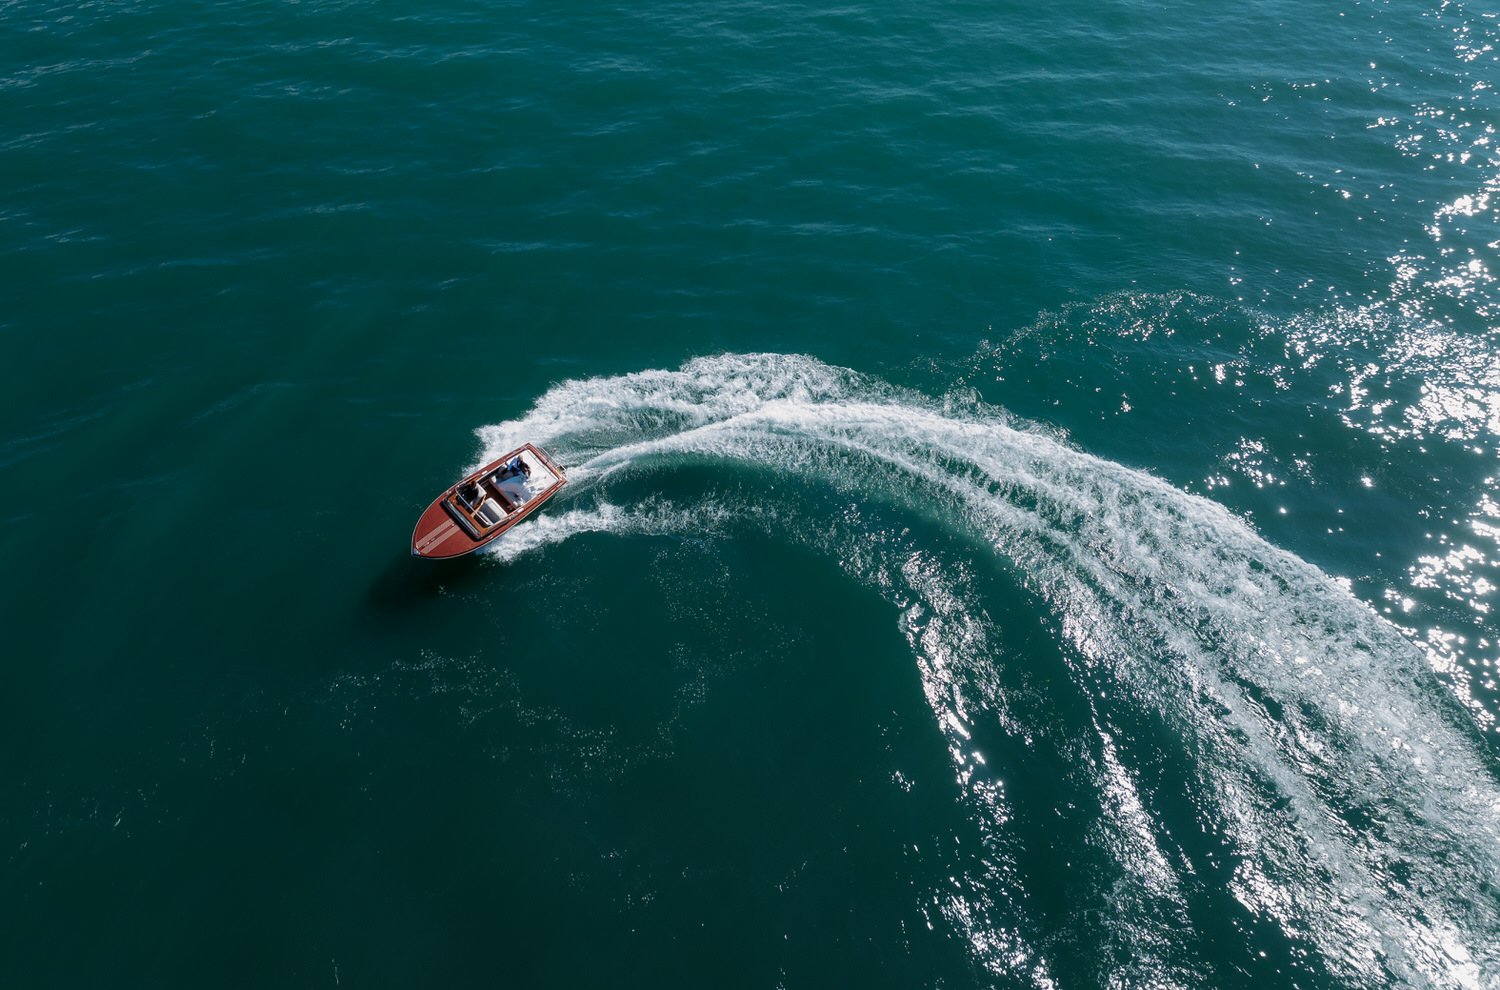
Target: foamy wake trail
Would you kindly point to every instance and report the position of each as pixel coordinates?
(653, 518)
(1360, 813)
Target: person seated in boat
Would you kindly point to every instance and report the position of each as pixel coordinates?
(514, 467)
(471, 495)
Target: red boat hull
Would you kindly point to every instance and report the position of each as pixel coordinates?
(447, 529)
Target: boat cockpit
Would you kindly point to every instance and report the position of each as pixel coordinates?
(487, 501)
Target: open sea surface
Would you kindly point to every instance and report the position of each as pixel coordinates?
(1034, 515)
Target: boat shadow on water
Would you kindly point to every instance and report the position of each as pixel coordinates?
(407, 582)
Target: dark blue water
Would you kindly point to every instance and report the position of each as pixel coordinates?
(1033, 514)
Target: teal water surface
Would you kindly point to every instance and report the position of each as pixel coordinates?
(1033, 516)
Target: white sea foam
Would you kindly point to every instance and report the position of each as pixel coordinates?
(1358, 811)
(654, 517)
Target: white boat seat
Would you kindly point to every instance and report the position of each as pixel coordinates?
(489, 512)
(515, 489)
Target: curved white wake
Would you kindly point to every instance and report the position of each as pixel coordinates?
(1359, 814)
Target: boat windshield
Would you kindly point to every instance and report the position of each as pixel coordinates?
(471, 495)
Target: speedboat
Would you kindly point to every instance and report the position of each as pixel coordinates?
(485, 504)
